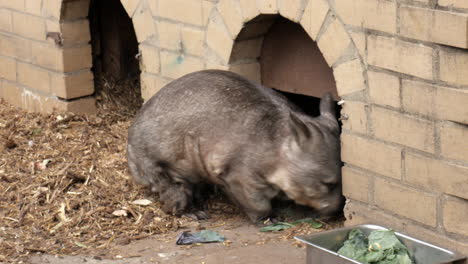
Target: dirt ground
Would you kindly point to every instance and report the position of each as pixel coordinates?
(66, 197)
(244, 245)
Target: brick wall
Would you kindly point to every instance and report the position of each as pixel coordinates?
(401, 67)
(45, 56)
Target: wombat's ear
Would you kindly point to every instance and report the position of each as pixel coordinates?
(300, 130)
(327, 112)
(326, 104)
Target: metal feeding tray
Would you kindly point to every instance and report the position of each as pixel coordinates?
(322, 247)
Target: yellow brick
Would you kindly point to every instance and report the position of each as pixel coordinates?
(267, 6)
(219, 40)
(193, 41)
(395, 127)
(149, 59)
(431, 25)
(153, 5)
(371, 155)
(29, 26)
(32, 7)
(207, 7)
(313, 17)
(230, 11)
(439, 239)
(47, 55)
(85, 105)
(249, 9)
(51, 8)
(77, 58)
(372, 14)
(247, 49)
(384, 89)
(291, 9)
(175, 65)
(349, 77)
(417, 205)
(451, 104)
(453, 141)
(73, 85)
(357, 117)
(400, 56)
(130, 6)
(18, 5)
(418, 97)
(72, 10)
(333, 42)
(359, 39)
(38, 103)
(8, 69)
(358, 213)
(453, 65)
(11, 92)
(53, 26)
(47, 104)
(355, 185)
(454, 3)
(76, 32)
(5, 20)
(187, 11)
(15, 47)
(437, 175)
(455, 213)
(151, 84)
(435, 101)
(250, 71)
(169, 35)
(33, 77)
(215, 66)
(143, 24)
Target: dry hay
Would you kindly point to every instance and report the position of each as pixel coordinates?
(62, 176)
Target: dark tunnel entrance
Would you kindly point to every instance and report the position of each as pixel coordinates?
(292, 64)
(289, 62)
(115, 57)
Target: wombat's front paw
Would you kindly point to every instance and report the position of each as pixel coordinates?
(198, 215)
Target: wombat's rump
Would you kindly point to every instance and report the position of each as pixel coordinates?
(217, 127)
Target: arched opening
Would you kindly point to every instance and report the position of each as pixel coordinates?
(115, 57)
(280, 54)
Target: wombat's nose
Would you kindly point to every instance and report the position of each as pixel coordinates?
(324, 205)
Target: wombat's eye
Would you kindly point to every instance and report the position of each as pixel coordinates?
(330, 186)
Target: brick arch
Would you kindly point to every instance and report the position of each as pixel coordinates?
(71, 34)
(320, 22)
(140, 12)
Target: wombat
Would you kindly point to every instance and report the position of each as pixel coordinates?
(219, 128)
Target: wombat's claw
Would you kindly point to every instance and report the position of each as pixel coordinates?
(272, 220)
(198, 215)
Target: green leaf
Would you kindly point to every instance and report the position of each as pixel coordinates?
(384, 239)
(276, 227)
(311, 222)
(355, 247)
(210, 236)
(381, 247)
(37, 131)
(81, 244)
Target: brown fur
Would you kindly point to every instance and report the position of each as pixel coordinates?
(217, 127)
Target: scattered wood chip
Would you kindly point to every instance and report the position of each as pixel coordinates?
(142, 202)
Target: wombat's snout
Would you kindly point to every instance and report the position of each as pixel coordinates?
(331, 204)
